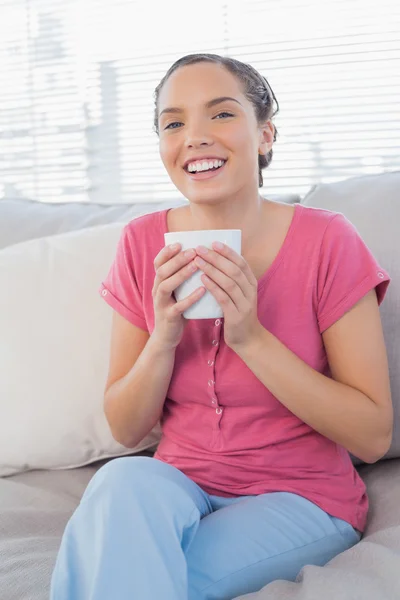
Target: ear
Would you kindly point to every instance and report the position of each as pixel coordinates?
(267, 133)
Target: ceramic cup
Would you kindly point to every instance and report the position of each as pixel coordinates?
(206, 307)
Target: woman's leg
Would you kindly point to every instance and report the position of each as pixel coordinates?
(246, 543)
(127, 538)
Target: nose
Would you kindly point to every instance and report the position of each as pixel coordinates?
(197, 136)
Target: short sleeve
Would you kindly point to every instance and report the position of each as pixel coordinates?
(120, 288)
(347, 272)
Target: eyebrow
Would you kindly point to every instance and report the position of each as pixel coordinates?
(209, 104)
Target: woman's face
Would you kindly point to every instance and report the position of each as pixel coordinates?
(208, 132)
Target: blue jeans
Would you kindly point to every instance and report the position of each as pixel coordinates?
(145, 531)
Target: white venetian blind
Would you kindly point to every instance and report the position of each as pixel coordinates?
(77, 80)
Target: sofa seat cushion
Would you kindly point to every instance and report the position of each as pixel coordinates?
(35, 507)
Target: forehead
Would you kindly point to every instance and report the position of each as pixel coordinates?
(197, 84)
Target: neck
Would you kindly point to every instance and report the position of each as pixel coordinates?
(245, 215)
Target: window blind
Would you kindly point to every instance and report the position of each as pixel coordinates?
(77, 80)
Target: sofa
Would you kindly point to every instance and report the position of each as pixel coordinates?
(53, 360)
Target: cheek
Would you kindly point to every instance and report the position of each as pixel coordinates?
(169, 153)
(245, 142)
(164, 150)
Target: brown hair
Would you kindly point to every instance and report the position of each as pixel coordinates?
(256, 89)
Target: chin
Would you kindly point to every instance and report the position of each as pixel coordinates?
(212, 195)
(204, 198)
(213, 200)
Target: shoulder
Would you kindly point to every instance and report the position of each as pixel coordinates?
(141, 226)
(319, 237)
(320, 218)
(325, 227)
(141, 239)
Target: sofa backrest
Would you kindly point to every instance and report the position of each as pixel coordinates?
(372, 204)
(22, 220)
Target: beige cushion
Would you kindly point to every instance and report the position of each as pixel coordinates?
(372, 204)
(54, 350)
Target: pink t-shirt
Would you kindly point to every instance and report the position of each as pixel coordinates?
(221, 426)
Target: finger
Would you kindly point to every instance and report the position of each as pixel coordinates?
(221, 296)
(187, 302)
(166, 286)
(169, 268)
(236, 258)
(231, 269)
(227, 275)
(165, 254)
(227, 287)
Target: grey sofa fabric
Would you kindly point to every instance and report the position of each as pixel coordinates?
(372, 204)
(22, 219)
(35, 507)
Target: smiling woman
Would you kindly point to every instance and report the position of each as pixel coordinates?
(252, 478)
(250, 86)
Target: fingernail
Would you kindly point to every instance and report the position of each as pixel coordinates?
(218, 245)
(189, 253)
(202, 249)
(174, 246)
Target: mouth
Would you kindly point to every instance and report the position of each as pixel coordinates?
(208, 173)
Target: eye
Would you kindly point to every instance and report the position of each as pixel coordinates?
(171, 125)
(224, 114)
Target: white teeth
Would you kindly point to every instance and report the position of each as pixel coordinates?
(204, 166)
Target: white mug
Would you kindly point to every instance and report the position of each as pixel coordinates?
(206, 307)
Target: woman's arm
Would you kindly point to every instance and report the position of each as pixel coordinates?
(139, 376)
(354, 408)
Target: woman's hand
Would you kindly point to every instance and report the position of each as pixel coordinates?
(228, 277)
(172, 268)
